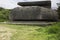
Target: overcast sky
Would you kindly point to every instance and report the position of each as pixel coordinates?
(13, 3)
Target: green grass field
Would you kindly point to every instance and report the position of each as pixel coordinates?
(30, 32)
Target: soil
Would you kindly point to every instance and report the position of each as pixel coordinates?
(6, 33)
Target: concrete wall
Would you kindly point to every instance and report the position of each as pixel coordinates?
(33, 13)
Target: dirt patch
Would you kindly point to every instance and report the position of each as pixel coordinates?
(6, 33)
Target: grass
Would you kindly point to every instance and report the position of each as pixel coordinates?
(31, 32)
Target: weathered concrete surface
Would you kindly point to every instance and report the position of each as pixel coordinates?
(33, 13)
(36, 3)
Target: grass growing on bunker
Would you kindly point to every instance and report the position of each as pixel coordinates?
(31, 32)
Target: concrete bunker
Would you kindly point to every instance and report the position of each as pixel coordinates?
(33, 11)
